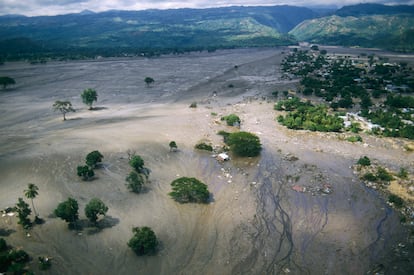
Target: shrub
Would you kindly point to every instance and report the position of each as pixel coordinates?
(68, 211)
(173, 146)
(144, 241)
(204, 146)
(369, 177)
(85, 172)
(383, 175)
(231, 120)
(93, 158)
(354, 139)
(364, 161)
(396, 200)
(403, 174)
(193, 105)
(135, 182)
(94, 208)
(137, 163)
(186, 190)
(244, 144)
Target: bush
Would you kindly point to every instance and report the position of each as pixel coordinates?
(383, 175)
(68, 211)
(204, 146)
(93, 158)
(369, 177)
(364, 161)
(244, 144)
(396, 200)
(232, 120)
(85, 172)
(135, 182)
(137, 163)
(94, 208)
(144, 241)
(193, 105)
(186, 190)
(354, 139)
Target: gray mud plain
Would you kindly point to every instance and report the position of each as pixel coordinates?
(255, 224)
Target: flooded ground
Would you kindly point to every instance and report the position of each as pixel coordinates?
(256, 222)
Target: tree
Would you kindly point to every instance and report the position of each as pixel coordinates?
(85, 172)
(135, 182)
(5, 81)
(93, 158)
(173, 146)
(149, 81)
(137, 163)
(23, 211)
(94, 208)
(186, 190)
(31, 193)
(68, 211)
(232, 120)
(144, 241)
(89, 96)
(63, 107)
(244, 144)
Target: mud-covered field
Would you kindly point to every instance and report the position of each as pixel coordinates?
(255, 223)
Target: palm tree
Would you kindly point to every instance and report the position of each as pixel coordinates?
(31, 193)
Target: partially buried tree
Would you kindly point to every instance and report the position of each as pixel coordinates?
(68, 211)
(85, 172)
(89, 96)
(135, 182)
(6, 81)
(31, 193)
(244, 144)
(144, 241)
(23, 212)
(93, 158)
(149, 81)
(94, 208)
(186, 190)
(63, 107)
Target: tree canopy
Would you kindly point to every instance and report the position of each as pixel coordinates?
(244, 144)
(149, 81)
(144, 241)
(31, 193)
(85, 172)
(137, 163)
(93, 158)
(89, 96)
(94, 208)
(68, 211)
(135, 182)
(6, 81)
(231, 120)
(186, 190)
(63, 107)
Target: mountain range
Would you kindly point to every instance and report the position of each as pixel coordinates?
(157, 31)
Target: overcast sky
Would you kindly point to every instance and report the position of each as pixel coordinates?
(53, 7)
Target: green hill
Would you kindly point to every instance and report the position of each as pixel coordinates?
(387, 31)
(119, 32)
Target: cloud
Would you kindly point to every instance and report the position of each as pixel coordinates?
(53, 7)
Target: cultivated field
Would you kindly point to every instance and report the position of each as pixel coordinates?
(255, 224)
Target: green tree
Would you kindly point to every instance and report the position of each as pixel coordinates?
(5, 81)
(93, 158)
(173, 146)
(364, 161)
(186, 190)
(149, 81)
(232, 120)
(89, 96)
(137, 163)
(135, 182)
(94, 208)
(244, 144)
(31, 193)
(144, 241)
(63, 107)
(68, 211)
(85, 172)
(23, 212)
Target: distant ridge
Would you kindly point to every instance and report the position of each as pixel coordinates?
(371, 9)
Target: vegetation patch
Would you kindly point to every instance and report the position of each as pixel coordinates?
(204, 146)
(144, 241)
(244, 144)
(185, 190)
(231, 120)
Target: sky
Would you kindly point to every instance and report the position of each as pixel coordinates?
(54, 7)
